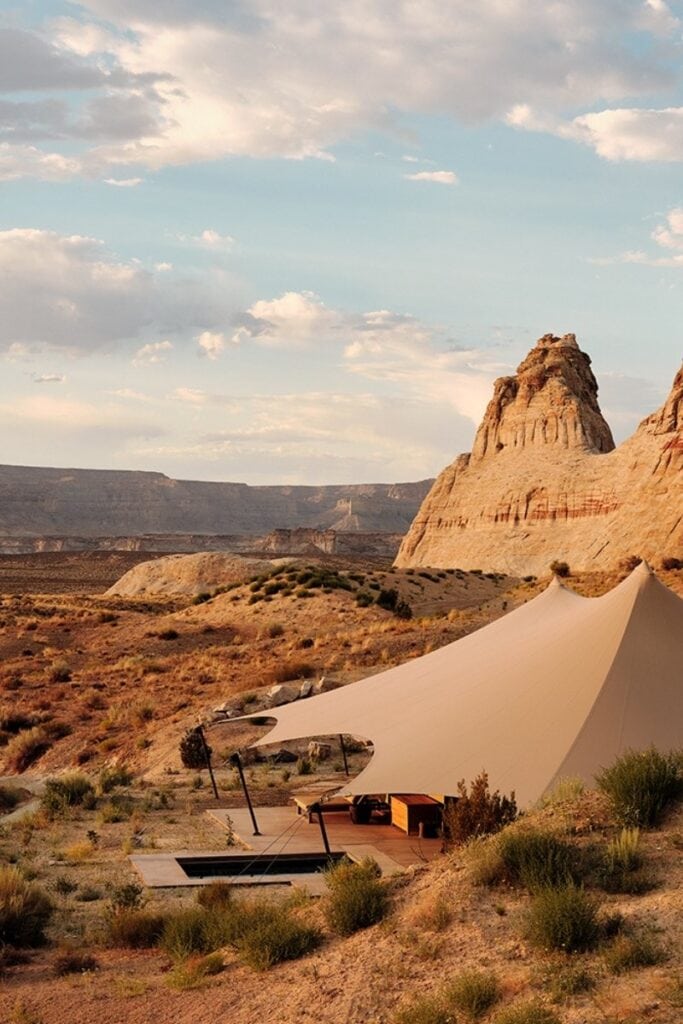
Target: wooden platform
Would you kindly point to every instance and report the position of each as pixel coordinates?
(285, 831)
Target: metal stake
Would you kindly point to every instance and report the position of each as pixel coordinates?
(343, 750)
(207, 756)
(323, 831)
(236, 760)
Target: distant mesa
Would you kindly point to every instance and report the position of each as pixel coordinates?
(59, 509)
(544, 480)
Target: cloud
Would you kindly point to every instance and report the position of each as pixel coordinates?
(71, 416)
(48, 378)
(69, 293)
(667, 236)
(295, 319)
(176, 83)
(124, 182)
(22, 161)
(153, 353)
(439, 177)
(637, 134)
(211, 344)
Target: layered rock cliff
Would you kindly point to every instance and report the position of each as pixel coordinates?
(83, 503)
(544, 480)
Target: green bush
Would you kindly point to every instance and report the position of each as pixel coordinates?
(73, 962)
(271, 934)
(190, 931)
(641, 784)
(425, 1010)
(536, 859)
(68, 790)
(628, 951)
(564, 918)
(562, 981)
(357, 898)
(526, 1013)
(622, 863)
(473, 993)
(25, 910)
(560, 569)
(127, 897)
(135, 929)
(9, 798)
(192, 750)
(478, 812)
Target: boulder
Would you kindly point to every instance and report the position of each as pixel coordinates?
(319, 751)
(282, 693)
(323, 685)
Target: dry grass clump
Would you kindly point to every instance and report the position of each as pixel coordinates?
(470, 994)
(73, 961)
(631, 950)
(641, 785)
(622, 866)
(25, 910)
(69, 790)
(563, 980)
(26, 748)
(135, 929)
(526, 1013)
(524, 856)
(10, 796)
(357, 898)
(195, 971)
(215, 895)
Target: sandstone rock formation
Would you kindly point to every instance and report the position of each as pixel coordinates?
(83, 503)
(187, 575)
(544, 480)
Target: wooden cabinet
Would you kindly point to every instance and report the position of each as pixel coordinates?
(408, 810)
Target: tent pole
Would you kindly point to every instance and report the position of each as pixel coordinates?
(323, 831)
(343, 751)
(236, 761)
(207, 755)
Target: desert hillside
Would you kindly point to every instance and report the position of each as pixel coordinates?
(544, 481)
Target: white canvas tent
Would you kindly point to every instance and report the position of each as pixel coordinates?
(557, 688)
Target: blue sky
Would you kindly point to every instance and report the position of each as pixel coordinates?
(297, 242)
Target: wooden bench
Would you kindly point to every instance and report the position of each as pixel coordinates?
(304, 802)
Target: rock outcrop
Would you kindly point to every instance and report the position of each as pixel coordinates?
(187, 575)
(544, 480)
(36, 502)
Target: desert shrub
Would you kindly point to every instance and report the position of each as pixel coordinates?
(168, 634)
(403, 610)
(289, 670)
(566, 790)
(24, 910)
(192, 750)
(193, 972)
(357, 897)
(215, 895)
(363, 599)
(536, 859)
(202, 597)
(425, 1010)
(10, 796)
(629, 951)
(275, 630)
(564, 980)
(69, 790)
(59, 672)
(630, 563)
(135, 929)
(672, 563)
(73, 962)
(114, 776)
(269, 934)
(560, 569)
(118, 808)
(478, 812)
(127, 897)
(388, 599)
(621, 869)
(26, 748)
(563, 918)
(485, 864)
(641, 784)
(64, 886)
(15, 721)
(189, 931)
(304, 766)
(526, 1013)
(473, 993)
(88, 894)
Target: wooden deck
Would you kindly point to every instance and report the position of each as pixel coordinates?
(283, 830)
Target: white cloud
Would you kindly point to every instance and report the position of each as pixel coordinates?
(638, 134)
(439, 177)
(48, 378)
(667, 236)
(153, 353)
(123, 182)
(22, 161)
(180, 83)
(68, 415)
(295, 319)
(68, 292)
(192, 395)
(211, 344)
(209, 239)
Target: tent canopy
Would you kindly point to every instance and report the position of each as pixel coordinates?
(558, 687)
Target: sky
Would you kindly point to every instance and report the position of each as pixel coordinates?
(296, 241)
